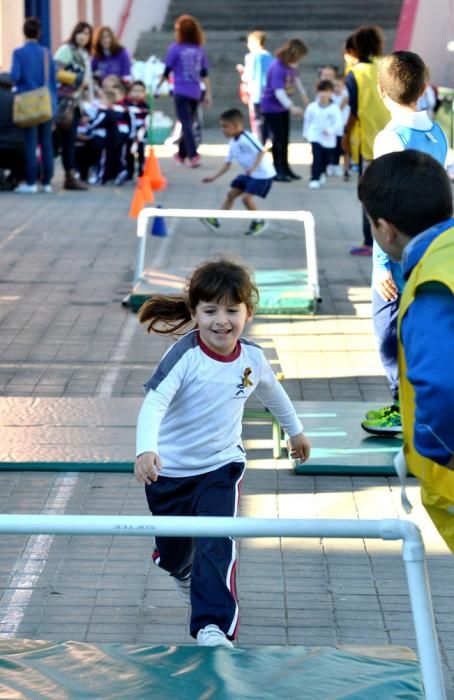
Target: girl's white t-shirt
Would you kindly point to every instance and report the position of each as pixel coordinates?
(192, 414)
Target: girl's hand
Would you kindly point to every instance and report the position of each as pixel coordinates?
(207, 101)
(299, 447)
(386, 286)
(209, 178)
(147, 467)
(296, 111)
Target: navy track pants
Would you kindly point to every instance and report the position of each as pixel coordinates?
(211, 562)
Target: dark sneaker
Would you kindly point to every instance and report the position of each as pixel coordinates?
(256, 228)
(387, 421)
(364, 251)
(211, 223)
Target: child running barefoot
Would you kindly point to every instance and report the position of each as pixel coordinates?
(189, 450)
(259, 172)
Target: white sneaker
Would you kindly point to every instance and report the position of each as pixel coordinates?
(330, 170)
(183, 586)
(26, 189)
(47, 189)
(314, 185)
(323, 179)
(338, 171)
(212, 636)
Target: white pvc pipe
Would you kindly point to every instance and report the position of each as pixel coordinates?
(187, 526)
(305, 217)
(387, 529)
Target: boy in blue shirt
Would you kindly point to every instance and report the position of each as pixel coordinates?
(408, 200)
(402, 78)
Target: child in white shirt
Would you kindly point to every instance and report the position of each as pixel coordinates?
(322, 122)
(259, 172)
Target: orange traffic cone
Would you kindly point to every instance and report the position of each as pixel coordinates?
(153, 171)
(137, 203)
(143, 183)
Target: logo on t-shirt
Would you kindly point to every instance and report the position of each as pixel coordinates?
(245, 382)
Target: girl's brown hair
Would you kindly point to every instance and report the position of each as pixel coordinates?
(115, 45)
(80, 27)
(220, 281)
(292, 51)
(188, 30)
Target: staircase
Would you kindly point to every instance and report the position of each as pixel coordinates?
(322, 24)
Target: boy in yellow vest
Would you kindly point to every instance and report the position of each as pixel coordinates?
(408, 200)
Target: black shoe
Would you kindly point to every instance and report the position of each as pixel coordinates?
(282, 178)
(293, 175)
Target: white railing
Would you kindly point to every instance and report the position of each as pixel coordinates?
(304, 217)
(391, 529)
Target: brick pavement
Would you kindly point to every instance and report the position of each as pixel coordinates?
(66, 262)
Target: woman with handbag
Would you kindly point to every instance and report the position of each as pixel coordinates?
(73, 76)
(33, 68)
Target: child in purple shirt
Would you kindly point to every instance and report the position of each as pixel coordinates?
(187, 60)
(281, 82)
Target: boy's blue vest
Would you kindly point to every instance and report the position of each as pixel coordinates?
(433, 142)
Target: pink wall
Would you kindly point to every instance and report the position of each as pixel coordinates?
(426, 27)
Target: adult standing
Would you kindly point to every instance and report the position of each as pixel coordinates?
(73, 75)
(33, 68)
(281, 83)
(109, 56)
(187, 60)
(368, 114)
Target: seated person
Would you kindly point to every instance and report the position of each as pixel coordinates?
(12, 150)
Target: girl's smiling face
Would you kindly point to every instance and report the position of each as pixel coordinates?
(220, 324)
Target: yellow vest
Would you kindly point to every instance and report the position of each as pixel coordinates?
(372, 113)
(437, 482)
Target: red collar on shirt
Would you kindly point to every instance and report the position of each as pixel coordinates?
(215, 355)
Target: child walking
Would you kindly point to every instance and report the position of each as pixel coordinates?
(322, 122)
(189, 450)
(259, 172)
(253, 78)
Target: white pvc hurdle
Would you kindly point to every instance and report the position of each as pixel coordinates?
(305, 217)
(390, 529)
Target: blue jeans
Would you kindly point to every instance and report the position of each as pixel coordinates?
(42, 135)
(384, 318)
(186, 110)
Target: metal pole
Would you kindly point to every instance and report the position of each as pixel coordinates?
(142, 221)
(311, 252)
(422, 610)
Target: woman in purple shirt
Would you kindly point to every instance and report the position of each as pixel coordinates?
(187, 60)
(109, 56)
(281, 82)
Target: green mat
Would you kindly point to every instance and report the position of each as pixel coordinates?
(73, 670)
(281, 291)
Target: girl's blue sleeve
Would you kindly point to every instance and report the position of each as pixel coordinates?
(428, 339)
(380, 259)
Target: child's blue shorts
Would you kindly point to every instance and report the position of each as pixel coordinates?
(252, 185)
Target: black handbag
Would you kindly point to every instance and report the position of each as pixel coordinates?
(65, 112)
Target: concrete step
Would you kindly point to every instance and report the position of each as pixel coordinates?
(290, 14)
